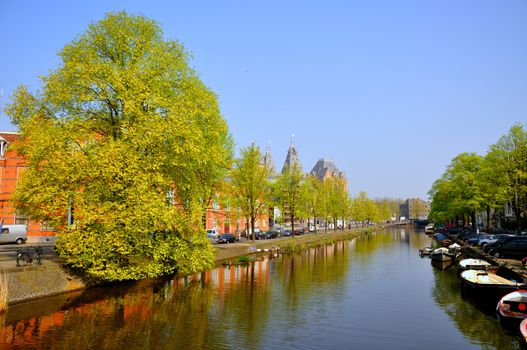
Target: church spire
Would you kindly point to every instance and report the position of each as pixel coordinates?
(292, 159)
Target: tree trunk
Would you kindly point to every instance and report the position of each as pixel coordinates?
(488, 219)
(204, 219)
(252, 227)
(247, 228)
(292, 225)
(474, 223)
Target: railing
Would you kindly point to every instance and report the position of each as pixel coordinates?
(29, 255)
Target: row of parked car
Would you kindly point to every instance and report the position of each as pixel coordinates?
(215, 237)
(500, 244)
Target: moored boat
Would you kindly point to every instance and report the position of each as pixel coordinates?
(473, 264)
(429, 228)
(442, 265)
(454, 248)
(486, 287)
(442, 254)
(426, 251)
(442, 239)
(512, 309)
(523, 329)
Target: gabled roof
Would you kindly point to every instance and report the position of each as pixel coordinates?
(326, 168)
(9, 136)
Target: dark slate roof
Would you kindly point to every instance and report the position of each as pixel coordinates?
(292, 159)
(268, 160)
(325, 166)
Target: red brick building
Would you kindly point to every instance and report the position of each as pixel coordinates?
(12, 165)
(219, 216)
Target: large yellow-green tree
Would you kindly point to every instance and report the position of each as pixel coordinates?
(124, 133)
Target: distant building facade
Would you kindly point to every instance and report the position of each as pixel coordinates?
(414, 209)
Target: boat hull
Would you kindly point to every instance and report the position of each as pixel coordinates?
(484, 288)
(512, 310)
(442, 254)
(523, 330)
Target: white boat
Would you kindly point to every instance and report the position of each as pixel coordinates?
(426, 251)
(429, 228)
(454, 248)
(442, 254)
(473, 264)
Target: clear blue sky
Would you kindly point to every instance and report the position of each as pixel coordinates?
(391, 91)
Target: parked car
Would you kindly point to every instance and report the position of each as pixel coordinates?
(503, 239)
(213, 235)
(257, 234)
(513, 249)
(474, 239)
(227, 238)
(300, 230)
(286, 233)
(469, 233)
(454, 230)
(489, 239)
(269, 234)
(13, 234)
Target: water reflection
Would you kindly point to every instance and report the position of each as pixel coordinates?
(334, 296)
(479, 325)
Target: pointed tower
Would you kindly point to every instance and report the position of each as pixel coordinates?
(268, 159)
(292, 157)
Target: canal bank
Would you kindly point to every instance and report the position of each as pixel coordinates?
(510, 268)
(35, 281)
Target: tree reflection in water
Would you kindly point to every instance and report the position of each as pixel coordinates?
(317, 298)
(476, 322)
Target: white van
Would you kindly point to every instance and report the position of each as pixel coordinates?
(213, 234)
(13, 234)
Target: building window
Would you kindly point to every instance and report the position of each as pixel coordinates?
(215, 205)
(3, 147)
(21, 219)
(46, 226)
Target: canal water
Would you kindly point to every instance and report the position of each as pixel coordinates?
(373, 292)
